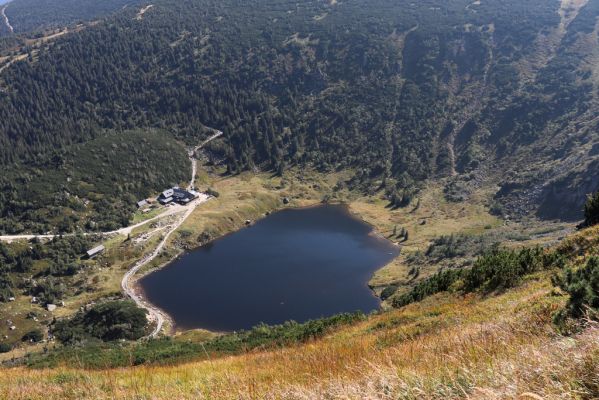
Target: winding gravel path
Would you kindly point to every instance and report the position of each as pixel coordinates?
(154, 314)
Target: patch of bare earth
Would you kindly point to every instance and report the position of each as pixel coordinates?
(545, 45)
(141, 12)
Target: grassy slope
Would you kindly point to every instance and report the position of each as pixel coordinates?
(500, 346)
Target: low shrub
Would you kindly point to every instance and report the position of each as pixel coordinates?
(108, 321)
(388, 292)
(582, 286)
(34, 336)
(97, 354)
(591, 210)
(496, 269)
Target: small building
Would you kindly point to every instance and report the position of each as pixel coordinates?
(95, 251)
(142, 203)
(183, 196)
(177, 195)
(165, 200)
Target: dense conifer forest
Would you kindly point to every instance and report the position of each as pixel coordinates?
(35, 15)
(398, 92)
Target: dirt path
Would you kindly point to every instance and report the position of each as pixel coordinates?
(154, 314)
(8, 25)
(193, 160)
(122, 231)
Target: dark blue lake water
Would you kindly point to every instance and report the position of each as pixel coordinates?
(296, 264)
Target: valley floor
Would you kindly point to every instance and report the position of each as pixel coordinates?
(500, 346)
(250, 196)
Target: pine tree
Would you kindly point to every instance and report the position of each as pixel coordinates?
(591, 210)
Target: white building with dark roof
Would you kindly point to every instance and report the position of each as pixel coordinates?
(95, 251)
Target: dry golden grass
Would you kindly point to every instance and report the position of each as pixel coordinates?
(445, 347)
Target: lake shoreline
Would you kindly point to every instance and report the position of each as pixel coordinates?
(181, 252)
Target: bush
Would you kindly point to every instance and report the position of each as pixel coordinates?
(49, 291)
(388, 292)
(5, 287)
(95, 354)
(591, 210)
(265, 336)
(108, 321)
(582, 286)
(212, 192)
(34, 335)
(5, 347)
(495, 270)
(439, 282)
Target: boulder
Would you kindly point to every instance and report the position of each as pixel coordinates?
(51, 307)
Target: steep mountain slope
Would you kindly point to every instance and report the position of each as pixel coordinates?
(502, 91)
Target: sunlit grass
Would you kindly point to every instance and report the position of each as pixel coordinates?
(444, 347)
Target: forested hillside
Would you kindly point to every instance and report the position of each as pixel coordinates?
(94, 185)
(398, 91)
(32, 15)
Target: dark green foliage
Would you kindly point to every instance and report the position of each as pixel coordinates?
(107, 321)
(34, 336)
(29, 15)
(437, 283)
(59, 257)
(452, 246)
(5, 347)
(401, 197)
(6, 286)
(49, 291)
(367, 90)
(582, 286)
(169, 350)
(388, 292)
(92, 186)
(497, 269)
(502, 269)
(264, 336)
(591, 210)
(212, 192)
